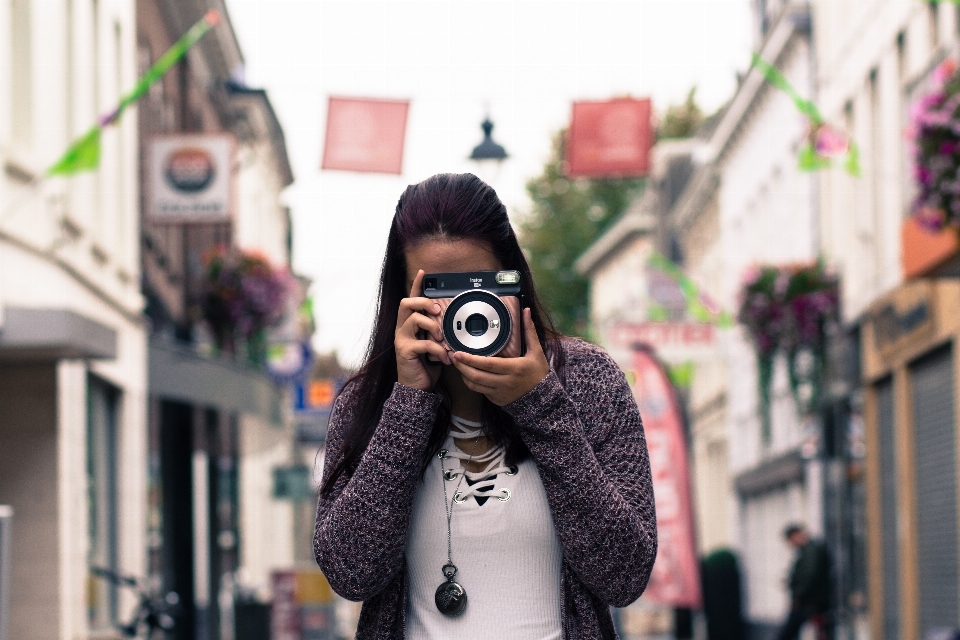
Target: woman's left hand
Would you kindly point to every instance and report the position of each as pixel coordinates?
(504, 380)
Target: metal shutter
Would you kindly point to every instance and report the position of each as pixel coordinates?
(935, 437)
(888, 510)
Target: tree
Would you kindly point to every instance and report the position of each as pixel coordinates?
(566, 217)
(682, 120)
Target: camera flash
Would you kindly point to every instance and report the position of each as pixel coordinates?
(508, 277)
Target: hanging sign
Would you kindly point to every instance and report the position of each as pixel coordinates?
(312, 404)
(365, 135)
(675, 579)
(609, 139)
(190, 178)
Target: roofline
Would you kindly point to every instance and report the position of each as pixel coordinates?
(706, 178)
(631, 225)
(238, 91)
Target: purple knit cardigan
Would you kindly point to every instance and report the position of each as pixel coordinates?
(587, 440)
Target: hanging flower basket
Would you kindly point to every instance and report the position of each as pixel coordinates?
(788, 310)
(934, 128)
(244, 296)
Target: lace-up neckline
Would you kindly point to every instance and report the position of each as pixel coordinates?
(493, 461)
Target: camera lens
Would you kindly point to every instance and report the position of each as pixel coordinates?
(477, 325)
(477, 322)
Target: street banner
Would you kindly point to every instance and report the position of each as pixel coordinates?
(825, 144)
(675, 580)
(609, 139)
(190, 178)
(365, 135)
(667, 284)
(84, 153)
(284, 610)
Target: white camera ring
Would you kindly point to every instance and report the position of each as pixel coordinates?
(491, 307)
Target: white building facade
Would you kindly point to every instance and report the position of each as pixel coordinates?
(748, 204)
(72, 342)
(874, 471)
(874, 59)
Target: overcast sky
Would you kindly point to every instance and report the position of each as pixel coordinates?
(523, 62)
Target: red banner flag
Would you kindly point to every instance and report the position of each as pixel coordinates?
(365, 135)
(675, 580)
(609, 139)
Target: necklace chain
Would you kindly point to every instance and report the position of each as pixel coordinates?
(448, 503)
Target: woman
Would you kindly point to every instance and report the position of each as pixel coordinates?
(480, 497)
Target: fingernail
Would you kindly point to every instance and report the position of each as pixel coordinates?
(436, 308)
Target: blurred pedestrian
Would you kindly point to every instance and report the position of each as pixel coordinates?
(522, 481)
(809, 584)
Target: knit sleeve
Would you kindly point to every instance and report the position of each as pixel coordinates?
(588, 443)
(362, 523)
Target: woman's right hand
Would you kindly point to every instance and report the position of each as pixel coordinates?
(418, 313)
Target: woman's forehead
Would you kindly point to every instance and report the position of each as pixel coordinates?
(447, 256)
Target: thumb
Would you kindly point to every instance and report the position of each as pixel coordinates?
(530, 332)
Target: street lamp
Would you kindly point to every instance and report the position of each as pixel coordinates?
(488, 154)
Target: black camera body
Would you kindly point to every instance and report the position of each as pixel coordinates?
(481, 311)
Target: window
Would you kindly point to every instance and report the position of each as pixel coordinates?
(21, 84)
(102, 500)
(933, 12)
(119, 241)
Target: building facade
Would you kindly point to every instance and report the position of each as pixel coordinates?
(626, 296)
(900, 300)
(744, 203)
(73, 349)
(748, 205)
(219, 426)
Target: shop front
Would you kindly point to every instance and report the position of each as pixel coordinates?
(910, 346)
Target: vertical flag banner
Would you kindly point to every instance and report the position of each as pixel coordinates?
(365, 135)
(610, 139)
(675, 580)
(84, 153)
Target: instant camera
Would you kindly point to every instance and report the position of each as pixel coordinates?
(480, 311)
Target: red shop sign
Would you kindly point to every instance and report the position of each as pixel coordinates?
(609, 139)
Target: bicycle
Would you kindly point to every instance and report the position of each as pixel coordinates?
(154, 612)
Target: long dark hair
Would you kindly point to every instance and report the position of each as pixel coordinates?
(445, 207)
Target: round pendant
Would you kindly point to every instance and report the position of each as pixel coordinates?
(451, 598)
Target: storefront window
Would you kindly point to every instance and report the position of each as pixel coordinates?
(102, 501)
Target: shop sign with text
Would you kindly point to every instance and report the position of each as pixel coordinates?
(190, 178)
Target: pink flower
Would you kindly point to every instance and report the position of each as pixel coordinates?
(924, 105)
(931, 219)
(944, 72)
(830, 142)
